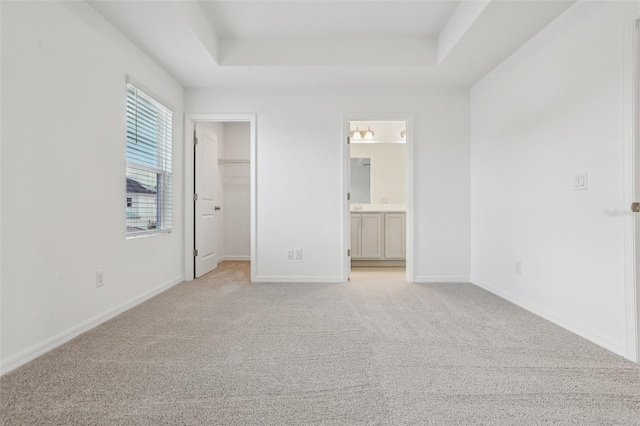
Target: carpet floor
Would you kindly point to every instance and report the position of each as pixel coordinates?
(223, 351)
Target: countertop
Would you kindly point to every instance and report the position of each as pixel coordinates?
(378, 211)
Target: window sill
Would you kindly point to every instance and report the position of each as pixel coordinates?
(144, 234)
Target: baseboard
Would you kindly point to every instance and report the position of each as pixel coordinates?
(441, 279)
(237, 258)
(298, 279)
(555, 318)
(41, 348)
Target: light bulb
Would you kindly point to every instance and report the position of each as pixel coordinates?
(368, 134)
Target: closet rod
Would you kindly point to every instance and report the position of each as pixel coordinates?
(222, 162)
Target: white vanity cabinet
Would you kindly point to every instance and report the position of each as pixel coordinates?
(378, 236)
(394, 236)
(371, 238)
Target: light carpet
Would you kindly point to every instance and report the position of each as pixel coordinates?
(223, 351)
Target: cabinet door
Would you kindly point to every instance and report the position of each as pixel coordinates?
(372, 236)
(395, 235)
(356, 233)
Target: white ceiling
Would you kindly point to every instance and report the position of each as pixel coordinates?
(322, 43)
(327, 19)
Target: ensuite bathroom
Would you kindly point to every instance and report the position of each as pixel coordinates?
(378, 199)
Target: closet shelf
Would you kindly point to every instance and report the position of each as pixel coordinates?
(223, 161)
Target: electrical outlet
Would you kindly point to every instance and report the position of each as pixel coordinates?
(298, 254)
(518, 268)
(99, 278)
(581, 181)
(289, 254)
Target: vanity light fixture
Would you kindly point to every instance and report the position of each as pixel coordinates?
(369, 134)
(362, 134)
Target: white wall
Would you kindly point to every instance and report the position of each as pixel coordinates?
(63, 177)
(553, 109)
(237, 192)
(300, 202)
(388, 170)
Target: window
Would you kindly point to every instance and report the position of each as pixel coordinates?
(149, 132)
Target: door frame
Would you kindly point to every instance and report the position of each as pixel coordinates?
(189, 236)
(346, 236)
(631, 192)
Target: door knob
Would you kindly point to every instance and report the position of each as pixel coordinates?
(635, 207)
(217, 208)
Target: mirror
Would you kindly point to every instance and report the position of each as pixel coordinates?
(383, 180)
(360, 180)
(378, 165)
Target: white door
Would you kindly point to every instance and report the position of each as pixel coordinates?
(350, 251)
(636, 206)
(206, 204)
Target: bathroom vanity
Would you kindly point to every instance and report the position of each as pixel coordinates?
(378, 238)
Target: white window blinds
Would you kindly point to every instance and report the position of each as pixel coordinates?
(149, 133)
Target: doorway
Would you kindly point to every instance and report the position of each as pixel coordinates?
(378, 176)
(219, 194)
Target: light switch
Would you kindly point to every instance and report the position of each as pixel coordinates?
(580, 182)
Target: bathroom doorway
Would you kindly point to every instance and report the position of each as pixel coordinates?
(378, 199)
